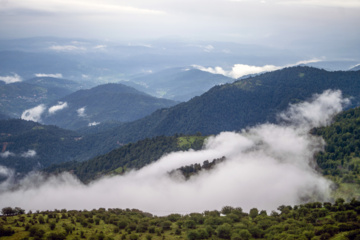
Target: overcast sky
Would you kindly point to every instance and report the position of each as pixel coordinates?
(267, 22)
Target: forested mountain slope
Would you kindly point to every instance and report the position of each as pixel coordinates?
(243, 103)
(108, 102)
(27, 145)
(131, 156)
(341, 159)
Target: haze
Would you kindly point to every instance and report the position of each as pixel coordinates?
(323, 26)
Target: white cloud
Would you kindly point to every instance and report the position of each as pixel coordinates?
(67, 48)
(6, 154)
(33, 114)
(11, 79)
(55, 75)
(208, 48)
(4, 171)
(81, 112)
(266, 166)
(60, 106)
(100, 47)
(240, 70)
(93, 124)
(29, 154)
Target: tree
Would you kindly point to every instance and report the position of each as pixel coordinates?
(253, 212)
(224, 231)
(7, 211)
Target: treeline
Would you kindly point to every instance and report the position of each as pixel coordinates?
(130, 156)
(193, 169)
(314, 221)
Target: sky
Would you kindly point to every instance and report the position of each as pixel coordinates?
(266, 22)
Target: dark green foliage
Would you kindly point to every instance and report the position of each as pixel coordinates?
(188, 171)
(6, 231)
(291, 223)
(56, 236)
(224, 231)
(9, 211)
(130, 156)
(51, 144)
(340, 160)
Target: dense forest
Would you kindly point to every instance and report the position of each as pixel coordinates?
(315, 221)
(107, 102)
(48, 144)
(244, 103)
(341, 159)
(130, 156)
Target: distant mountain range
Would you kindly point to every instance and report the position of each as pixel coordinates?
(179, 84)
(228, 107)
(104, 103)
(246, 102)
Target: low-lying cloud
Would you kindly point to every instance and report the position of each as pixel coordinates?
(81, 112)
(241, 70)
(33, 114)
(28, 154)
(266, 166)
(93, 124)
(11, 79)
(6, 154)
(53, 75)
(67, 48)
(56, 108)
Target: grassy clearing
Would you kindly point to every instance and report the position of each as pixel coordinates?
(187, 142)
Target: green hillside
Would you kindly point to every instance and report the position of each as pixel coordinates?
(309, 221)
(108, 102)
(244, 103)
(341, 159)
(131, 156)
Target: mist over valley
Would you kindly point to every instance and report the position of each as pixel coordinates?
(222, 119)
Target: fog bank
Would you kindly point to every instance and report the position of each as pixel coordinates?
(266, 166)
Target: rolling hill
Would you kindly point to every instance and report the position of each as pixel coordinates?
(108, 102)
(244, 103)
(127, 157)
